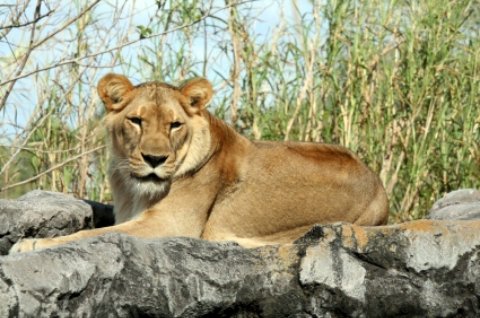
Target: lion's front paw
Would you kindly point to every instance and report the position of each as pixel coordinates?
(25, 245)
(28, 245)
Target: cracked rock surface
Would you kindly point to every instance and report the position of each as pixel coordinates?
(425, 268)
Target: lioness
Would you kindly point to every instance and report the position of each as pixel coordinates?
(176, 170)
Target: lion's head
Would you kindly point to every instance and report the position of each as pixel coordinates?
(157, 131)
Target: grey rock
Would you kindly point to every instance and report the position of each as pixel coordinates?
(425, 268)
(47, 214)
(418, 269)
(463, 204)
(41, 214)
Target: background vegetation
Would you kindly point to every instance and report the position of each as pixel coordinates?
(398, 82)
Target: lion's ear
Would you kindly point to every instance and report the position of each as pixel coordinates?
(199, 91)
(112, 89)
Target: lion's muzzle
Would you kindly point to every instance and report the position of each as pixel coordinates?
(154, 161)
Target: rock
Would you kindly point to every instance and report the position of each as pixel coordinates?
(425, 268)
(45, 214)
(41, 214)
(462, 204)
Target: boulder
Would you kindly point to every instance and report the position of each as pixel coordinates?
(46, 214)
(463, 204)
(425, 268)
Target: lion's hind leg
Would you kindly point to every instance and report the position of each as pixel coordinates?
(279, 238)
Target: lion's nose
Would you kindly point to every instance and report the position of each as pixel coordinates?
(154, 161)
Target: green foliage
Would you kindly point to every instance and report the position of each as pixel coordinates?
(144, 31)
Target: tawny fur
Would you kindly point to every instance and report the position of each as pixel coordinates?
(212, 182)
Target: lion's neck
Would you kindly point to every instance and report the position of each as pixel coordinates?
(228, 149)
(223, 136)
(211, 137)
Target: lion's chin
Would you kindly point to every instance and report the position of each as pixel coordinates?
(152, 177)
(151, 185)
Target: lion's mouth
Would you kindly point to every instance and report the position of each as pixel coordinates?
(152, 177)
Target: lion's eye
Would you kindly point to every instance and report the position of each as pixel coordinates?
(136, 120)
(175, 124)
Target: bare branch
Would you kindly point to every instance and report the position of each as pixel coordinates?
(32, 46)
(65, 25)
(21, 25)
(57, 166)
(19, 13)
(23, 62)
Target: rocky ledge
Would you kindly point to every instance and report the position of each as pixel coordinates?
(425, 268)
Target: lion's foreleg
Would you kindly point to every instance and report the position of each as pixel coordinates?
(142, 227)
